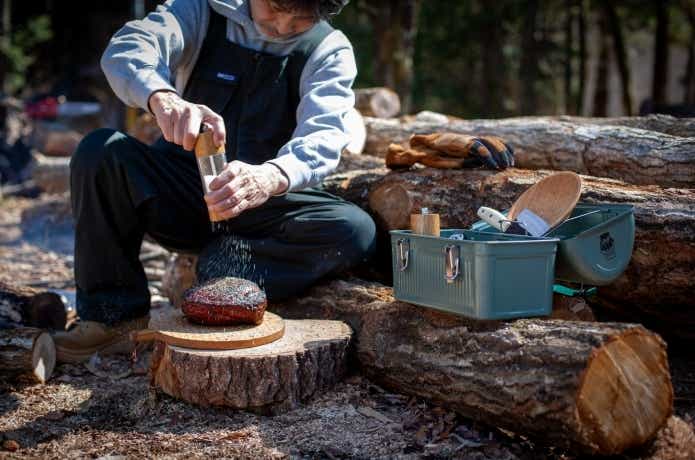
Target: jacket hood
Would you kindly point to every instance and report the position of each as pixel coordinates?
(239, 12)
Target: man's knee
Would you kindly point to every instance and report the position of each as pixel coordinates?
(359, 233)
(94, 148)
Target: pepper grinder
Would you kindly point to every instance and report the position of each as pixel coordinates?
(425, 223)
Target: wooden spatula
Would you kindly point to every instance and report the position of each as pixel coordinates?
(552, 198)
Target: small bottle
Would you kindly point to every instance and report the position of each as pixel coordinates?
(425, 223)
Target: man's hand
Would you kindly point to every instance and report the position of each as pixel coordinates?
(180, 120)
(241, 186)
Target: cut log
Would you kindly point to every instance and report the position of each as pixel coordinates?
(377, 102)
(179, 275)
(22, 305)
(27, 351)
(51, 174)
(308, 360)
(54, 138)
(666, 124)
(603, 387)
(634, 155)
(596, 387)
(655, 290)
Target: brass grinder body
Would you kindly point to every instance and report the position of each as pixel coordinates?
(211, 161)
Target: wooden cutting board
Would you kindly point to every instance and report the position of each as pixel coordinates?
(172, 327)
(552, 198)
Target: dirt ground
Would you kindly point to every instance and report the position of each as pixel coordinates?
(106, 408)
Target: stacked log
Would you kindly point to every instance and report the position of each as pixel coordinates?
(655, 290)
(51, 174)
(627, 153)
(27, 306)
(377, 102)
(27, 350)
(595, 387)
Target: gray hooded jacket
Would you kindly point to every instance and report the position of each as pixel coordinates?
(159, 52)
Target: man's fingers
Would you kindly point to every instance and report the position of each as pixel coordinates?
(230, 171)
(216, 122)
(190, 127)
(242, 206)
(164, 122)
(219, 200)
(173, 121)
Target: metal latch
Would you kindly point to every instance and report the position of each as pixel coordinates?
(403, 245)
(451, 263)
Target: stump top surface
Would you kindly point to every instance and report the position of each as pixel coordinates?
(172, 327)
(299, 335)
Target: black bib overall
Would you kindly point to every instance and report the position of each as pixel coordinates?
(122, 189)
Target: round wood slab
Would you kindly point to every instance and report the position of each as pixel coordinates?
(172, 327)
(552, 198)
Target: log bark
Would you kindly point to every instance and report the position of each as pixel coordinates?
(22, 305)
(655, 290)
(660, 123)
(27, 351)
(377, 102)
(634, 155)
(308, 360)
(596, 387)
(51, 174)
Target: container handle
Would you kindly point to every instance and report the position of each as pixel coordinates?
(451, 263)
(403, 253)
(552, 229)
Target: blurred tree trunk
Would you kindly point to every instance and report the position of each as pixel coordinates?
(569, 55)
(689, 80)
(601, 91)
(395, 29)
(615, 27)
(661, 58)
(529, 70)
(493, 61)
(581, 29)
(5, 40)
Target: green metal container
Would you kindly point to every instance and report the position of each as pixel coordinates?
(483, 276)
(595, 245)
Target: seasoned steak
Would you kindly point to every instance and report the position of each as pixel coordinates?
(225, 301)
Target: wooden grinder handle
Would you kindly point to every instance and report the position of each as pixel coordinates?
(205, 144)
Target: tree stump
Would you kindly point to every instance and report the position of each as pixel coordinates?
(308, 360)
(27, 350)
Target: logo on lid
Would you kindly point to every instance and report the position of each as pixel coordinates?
(607, 245)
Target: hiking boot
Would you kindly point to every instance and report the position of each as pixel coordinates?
(84, 338)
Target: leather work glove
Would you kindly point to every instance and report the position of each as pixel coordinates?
(398, 157)
(489, 151)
